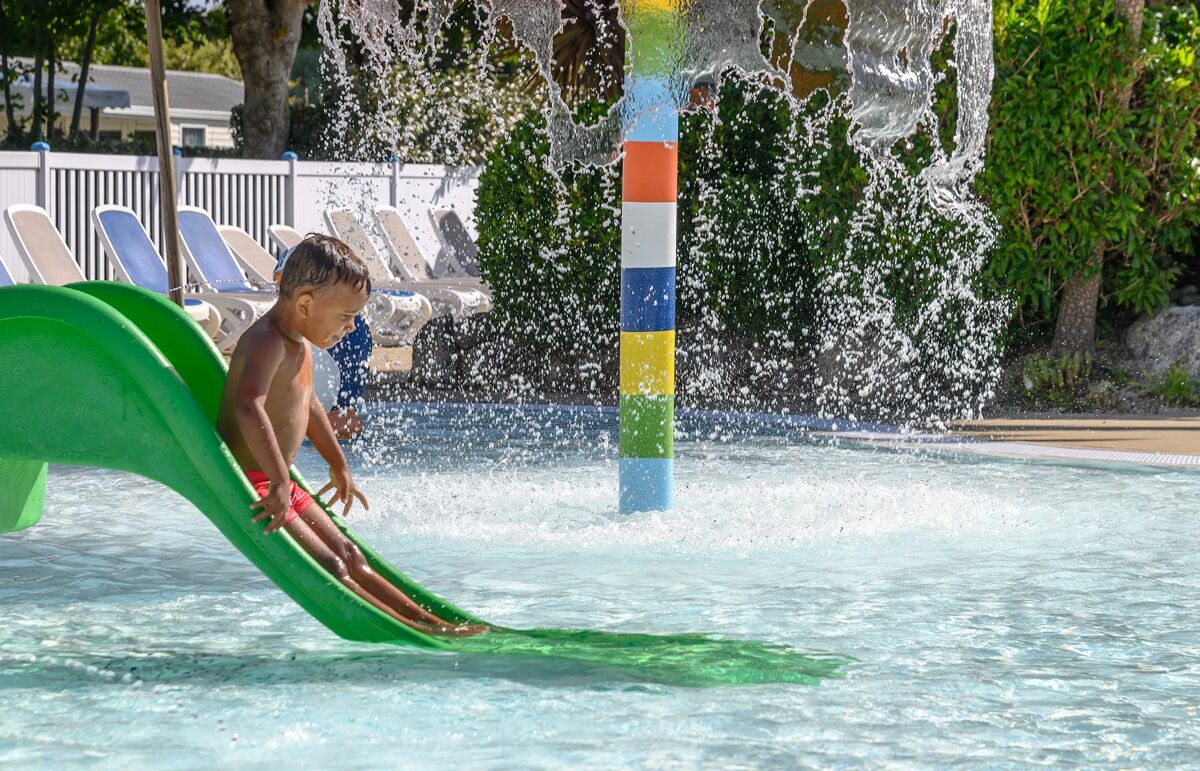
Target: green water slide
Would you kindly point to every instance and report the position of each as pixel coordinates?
(109, 375)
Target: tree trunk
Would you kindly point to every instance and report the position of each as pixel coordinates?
(9, 112)
(1075, 331)
(51, 94)
(1076, 328)
(38, 105)
(265, 35)
(85, 64)
(7, 74)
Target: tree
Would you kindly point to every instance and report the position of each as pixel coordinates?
(265, 36)
(1076, 328)
(1090, 159)
(99, 10)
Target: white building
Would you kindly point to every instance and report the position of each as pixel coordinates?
(122, 106)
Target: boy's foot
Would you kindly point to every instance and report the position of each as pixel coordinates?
(462, 630)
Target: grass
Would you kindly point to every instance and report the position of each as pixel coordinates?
(1174, 387)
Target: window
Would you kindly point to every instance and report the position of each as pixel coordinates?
(194, 136)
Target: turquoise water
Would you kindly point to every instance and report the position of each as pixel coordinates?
(996, 613)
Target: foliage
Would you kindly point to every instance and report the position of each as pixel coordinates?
(1068, 371)
(550, 250)
(1060, 381)
(773, 228)
(213, 56)
(53, 31)
(1174, 386)
(1070, 170)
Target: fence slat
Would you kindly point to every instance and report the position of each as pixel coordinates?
(248, 193)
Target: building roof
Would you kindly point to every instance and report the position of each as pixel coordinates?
(93, 97)
(188, 91)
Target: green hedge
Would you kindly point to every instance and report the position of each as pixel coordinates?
(1068, 168)
(551, 252)
(769, 192)
(766, 207)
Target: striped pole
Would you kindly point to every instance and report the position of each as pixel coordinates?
(648, 211)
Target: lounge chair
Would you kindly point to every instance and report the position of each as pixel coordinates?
(210, 260)
(337, 378)
(407, 258)
(394, 317)
(457, 303)
(253, 258)
(48, 259)
(135, 259)
(460, 255)
(284, 236)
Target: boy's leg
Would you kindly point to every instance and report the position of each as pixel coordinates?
(336, 566)
(319, 523)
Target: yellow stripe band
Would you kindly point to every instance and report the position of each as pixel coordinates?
(636, 7)
(648, 363)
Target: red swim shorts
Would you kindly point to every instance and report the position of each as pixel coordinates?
(300, 499)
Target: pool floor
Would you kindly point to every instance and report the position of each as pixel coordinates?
(993, 613)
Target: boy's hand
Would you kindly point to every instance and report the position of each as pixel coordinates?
(344, 489)
(274, 506)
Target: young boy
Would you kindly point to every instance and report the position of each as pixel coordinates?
(357, 345)
(268, 407)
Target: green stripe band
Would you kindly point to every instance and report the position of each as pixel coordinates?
(647, 426)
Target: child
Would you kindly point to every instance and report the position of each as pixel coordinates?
(352, 355)
(268, 407)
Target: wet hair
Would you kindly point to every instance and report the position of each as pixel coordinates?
(322, 261)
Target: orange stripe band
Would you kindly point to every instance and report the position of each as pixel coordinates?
(651, 173)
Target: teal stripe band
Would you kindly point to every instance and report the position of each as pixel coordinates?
(651, 109)
(646, 484)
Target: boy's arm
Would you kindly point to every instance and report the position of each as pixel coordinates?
(250, 411)
(321, 434)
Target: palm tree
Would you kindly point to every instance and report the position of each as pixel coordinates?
(588, 54)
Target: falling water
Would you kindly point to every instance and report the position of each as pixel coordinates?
(875, 347)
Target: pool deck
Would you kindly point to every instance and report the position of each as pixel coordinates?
(1178, 436)
(1165, 442)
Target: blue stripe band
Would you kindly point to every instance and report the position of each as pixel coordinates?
(645, 484)
(651, 112)
(647, 299)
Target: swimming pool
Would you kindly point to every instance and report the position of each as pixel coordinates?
(996, 612)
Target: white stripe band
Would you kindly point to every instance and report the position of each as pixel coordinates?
(648, 235)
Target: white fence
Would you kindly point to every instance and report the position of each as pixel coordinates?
(249, 194)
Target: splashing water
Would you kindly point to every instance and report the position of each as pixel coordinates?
(899, 328)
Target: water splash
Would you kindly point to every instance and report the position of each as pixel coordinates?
(898, 75)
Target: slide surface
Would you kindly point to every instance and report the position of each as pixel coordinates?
(112, 376)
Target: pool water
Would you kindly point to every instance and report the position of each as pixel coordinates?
(988, 612)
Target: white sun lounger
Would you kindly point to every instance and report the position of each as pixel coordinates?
(253, 258)
(395, 317)
(457, 303)
(460, 254)
(284, 236)
(48, 259)
(132, 253)
(407, 258)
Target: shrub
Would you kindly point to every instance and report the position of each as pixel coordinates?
(1174, 386)
(1069, 169)
(551, 252)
